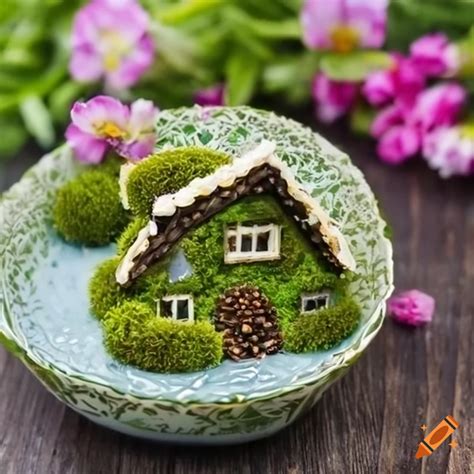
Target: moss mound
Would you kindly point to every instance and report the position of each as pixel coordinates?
(136, 336)
(322, 329)
(88, 209)
(104, 292)
(168, 172)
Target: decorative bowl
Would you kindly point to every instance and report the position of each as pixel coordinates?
(45, 321)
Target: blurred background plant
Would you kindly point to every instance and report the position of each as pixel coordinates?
(230, 50)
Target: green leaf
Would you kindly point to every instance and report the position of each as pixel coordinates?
(354, 66)
(13, 135)
(361, 118)
(466, 54)
(242, 71)
(291, 74)
(37, 120)
(61, 99)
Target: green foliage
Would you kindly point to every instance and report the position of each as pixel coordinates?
(33, 63)
(324, 328)
(111, 165)
(136, 336)
(88, 209)
(355, 66)
(410, 19)
(104, 292)
(167, 172)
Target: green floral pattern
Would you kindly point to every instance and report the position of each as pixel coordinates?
(25, 218)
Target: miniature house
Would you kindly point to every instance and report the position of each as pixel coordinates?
(244, 241)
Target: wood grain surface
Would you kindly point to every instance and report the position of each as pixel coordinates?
(368, 422)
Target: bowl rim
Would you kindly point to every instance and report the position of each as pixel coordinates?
(349, 355)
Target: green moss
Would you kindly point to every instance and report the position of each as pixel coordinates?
(168, 172)
(129, 235)
(111, 165)
(104, 292)
(324, 328)
(88, 209)
(300, 270)
(135, 336)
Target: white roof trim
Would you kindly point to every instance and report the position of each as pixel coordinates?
(166, 205)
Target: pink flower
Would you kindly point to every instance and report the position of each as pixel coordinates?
(386, 119)
(333, 99)
(413, 308)
(110, 39)
(398, 144)
(434, 55)
(213, 95)
(450, 150)
(403, 82)
(104, 122)
(344, 25)
(438, 106)
(379, 88)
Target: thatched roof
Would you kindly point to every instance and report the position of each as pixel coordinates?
(257, 172)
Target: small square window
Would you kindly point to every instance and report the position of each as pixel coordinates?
(314, 302)
(177, 307)
(248, 243)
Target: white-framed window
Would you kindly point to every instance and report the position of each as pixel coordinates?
(177, 307)
(314, 301)
(250, 243)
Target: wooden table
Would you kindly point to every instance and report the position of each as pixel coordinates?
(368, 422)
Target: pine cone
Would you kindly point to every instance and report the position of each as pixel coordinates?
(249, 322)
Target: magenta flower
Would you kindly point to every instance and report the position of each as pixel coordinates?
(403, 82)
(398, 144)
(413, 308)
(344, 25)
(450, 150)
(213, 95)
(434, 55)
(110, 39)
(439, 106)
(333, 99)
(103, 122)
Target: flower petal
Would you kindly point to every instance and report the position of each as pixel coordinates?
(143, 116)
(398, 144)
(333, 98)
(413, 307)
(85, 64)
(97, 111)
(213, 95)
(438, 106)
(133, 65)
(379, 87)
(386, 119)
(138, 149)
(318, 17)
(431, 54)
(86, 147)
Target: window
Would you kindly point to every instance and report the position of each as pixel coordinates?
(248, 243)
(177, 307)
(314, 302)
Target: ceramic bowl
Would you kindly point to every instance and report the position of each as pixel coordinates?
(45, 321)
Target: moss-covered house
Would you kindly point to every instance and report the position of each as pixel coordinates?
(233, 258)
